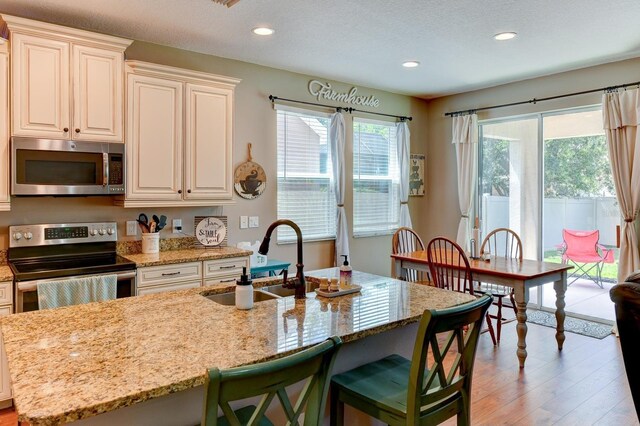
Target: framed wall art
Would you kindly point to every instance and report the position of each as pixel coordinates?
(416, 175)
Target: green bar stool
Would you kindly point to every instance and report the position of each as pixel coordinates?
(402, 392)
(269, 379)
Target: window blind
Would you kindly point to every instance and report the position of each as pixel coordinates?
(305, 191)
(376, 178)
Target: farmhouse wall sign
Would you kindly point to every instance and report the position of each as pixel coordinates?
(324, 91)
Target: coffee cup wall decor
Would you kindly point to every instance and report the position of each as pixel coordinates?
(250, 180)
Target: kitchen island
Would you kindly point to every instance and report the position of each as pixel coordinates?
(143, 360)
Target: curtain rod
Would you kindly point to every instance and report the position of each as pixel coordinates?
(338, 108)
(534, 100)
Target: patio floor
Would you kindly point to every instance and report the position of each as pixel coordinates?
(583, 297)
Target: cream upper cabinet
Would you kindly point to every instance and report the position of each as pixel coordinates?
(179, 137)
(4, 129)
(208, 142)
(66, 83)
(40, 84)
(154, 138)
(97, 94)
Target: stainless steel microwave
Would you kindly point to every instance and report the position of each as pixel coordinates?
(64, 167)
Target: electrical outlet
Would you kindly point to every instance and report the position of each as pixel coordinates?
(132, 227)
(177, 226)
(254, 222)
(244, 222)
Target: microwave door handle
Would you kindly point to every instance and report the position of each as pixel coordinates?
(105, 168)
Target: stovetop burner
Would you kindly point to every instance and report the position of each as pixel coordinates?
(63, 250)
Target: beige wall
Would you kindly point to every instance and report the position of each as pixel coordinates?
(255, 122)
(439, 213)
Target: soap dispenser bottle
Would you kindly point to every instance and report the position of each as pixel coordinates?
(345, 273)
(244, 291)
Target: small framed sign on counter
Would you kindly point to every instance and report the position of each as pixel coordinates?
(210, 231)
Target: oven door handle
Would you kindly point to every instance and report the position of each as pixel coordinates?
(23, 286)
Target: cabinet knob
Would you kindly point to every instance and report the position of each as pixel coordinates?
(179, 191)
(77, 130)
(188, 191)
(66, 129)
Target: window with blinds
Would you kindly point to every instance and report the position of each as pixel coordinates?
(305, 188)
(376, 178)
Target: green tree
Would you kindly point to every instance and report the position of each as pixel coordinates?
(577, 167)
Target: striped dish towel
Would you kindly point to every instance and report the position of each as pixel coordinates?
(74, 291)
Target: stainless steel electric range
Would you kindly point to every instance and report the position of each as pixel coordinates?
(50, 252)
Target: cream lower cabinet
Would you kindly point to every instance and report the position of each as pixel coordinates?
(5, 199)
(224, 272)
(182, 276)
(66, 83)
(179, 276)
(179, 137)
(6, 308)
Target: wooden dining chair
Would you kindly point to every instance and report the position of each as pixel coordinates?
(426, 390)
(505, 243)
(406, 240)
(450, 270)
(270, 379)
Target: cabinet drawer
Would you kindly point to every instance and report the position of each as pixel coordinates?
(6, 293)
(221, 281)
(6, 310)
(156, 275)
(168, 287)
(226, 267)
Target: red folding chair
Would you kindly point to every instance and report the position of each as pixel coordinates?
(581, 248)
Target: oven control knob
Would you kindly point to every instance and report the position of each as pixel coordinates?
(93, 232)
(28, 235)
(17, 236)
(101, 231)
(110, 231)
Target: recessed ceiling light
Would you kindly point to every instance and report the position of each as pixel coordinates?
(263, 31)
(505, 36)
(410, 64)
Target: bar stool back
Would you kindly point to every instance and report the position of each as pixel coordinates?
(402, 392)
(270, 379)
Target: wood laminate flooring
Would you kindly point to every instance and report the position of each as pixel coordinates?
(585, 384)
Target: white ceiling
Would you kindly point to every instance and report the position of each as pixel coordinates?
(364, 42)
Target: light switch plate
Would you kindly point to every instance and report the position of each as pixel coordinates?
(254, 222)
(244, 222)
(177, 226)
(132, 227)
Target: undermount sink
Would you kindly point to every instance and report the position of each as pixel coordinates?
(229, 299)
(280, 290)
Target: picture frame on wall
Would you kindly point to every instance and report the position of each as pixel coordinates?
(416, 175)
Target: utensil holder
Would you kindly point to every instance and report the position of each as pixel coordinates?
(150, 242)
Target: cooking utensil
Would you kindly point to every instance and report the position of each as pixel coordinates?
(250, 179)
(163, 222)
(143, 222)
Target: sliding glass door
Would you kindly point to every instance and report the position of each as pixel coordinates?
(541, 176)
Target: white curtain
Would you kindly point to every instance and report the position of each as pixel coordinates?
(337, 141)
(403, 143)
(621, 116)
(465, 138)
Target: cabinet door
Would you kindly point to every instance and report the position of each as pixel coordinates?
(154, 138)
(169, 287)
(4, 133)
(5, 381)
(40, 83)
(97, 94)
(208, 143)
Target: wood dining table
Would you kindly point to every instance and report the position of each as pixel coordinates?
(521, 275)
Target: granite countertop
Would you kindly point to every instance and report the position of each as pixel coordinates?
(185, 255)
(75, 362)
(5, 273)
